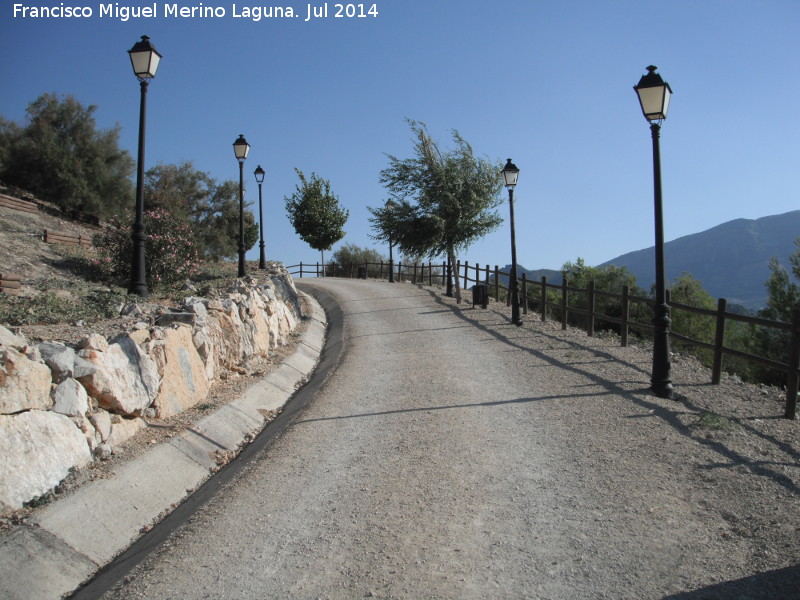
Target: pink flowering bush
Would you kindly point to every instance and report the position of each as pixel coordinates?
(171, 256)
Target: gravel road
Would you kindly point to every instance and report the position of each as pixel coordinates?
(453, 455)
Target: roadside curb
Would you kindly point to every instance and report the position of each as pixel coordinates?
(71, 539)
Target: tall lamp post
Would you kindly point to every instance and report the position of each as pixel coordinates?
(259, 173)
(144, 60)
(240, 149)
(510, 176)
(654, 94)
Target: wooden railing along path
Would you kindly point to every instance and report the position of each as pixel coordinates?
(535, 293)
(62, 237)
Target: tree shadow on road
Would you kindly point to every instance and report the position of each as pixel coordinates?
(641, 397)
(770, 585)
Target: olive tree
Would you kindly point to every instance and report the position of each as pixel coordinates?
(443, 201)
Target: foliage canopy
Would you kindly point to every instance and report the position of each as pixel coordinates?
(315, 213)
(60, 156)
(443, 201)
(211, 209)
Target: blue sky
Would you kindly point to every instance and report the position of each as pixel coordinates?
(545, 82)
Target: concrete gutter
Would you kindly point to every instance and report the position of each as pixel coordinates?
(73, 538)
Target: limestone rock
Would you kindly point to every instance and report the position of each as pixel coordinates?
(184, 382)
(94, 341)
(126, 380)
(24, 384)
(102, 423)
(124, 429)
(82, 368)
(9, 339)
(70, 398)
(37, 450)
(60, 359)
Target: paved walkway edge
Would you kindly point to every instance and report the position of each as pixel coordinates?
(73, 538)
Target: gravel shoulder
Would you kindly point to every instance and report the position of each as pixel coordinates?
(453, 455)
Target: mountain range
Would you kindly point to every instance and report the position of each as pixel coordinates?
(731, 260)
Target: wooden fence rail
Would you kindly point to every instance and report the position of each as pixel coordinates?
(531, 296)
(10, 284)
(18, 204)
(61, 237)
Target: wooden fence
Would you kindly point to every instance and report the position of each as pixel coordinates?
(61, 237)
(10, 283)
(17, 204)
(534, 294)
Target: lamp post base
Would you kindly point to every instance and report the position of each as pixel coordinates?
(661, 380)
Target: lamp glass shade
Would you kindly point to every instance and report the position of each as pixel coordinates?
(241, 148)
(654, 94)
(510, 174)
(259, 173)
(144, 58)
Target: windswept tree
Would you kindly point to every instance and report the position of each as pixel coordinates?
(315, 213)
(59, 155)
(443, 201)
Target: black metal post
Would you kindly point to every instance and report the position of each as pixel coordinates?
(513, 284)
(661, 380)
(241, 220)
(391, 263)
(138, 275)
(262, 263)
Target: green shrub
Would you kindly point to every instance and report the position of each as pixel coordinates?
(171, 254)
(48, 308)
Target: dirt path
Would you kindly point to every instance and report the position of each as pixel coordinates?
(452, 455)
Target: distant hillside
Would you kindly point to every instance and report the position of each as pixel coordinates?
(731, 260)
(553, 277)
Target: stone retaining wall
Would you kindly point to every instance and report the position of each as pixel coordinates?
(62, 407)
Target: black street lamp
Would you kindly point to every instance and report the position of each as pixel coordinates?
(259, 173)
(144, 60)
(390, 210)
(510, 176)
(240, 149)
(654, 94)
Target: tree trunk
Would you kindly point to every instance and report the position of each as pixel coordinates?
(451, 255)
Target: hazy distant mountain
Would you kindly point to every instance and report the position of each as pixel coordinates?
(731, 260)
(553, 277)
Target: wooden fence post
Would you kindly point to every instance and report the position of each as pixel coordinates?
(487, 280)
(626, 310)
(496, 283)
(430, 273)
(316, 271)
(466, 274)
(719, 340)
(794, 357)
(301, 269)
(590, 324)
(544, 299)
(524, 293)
(564, 303)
